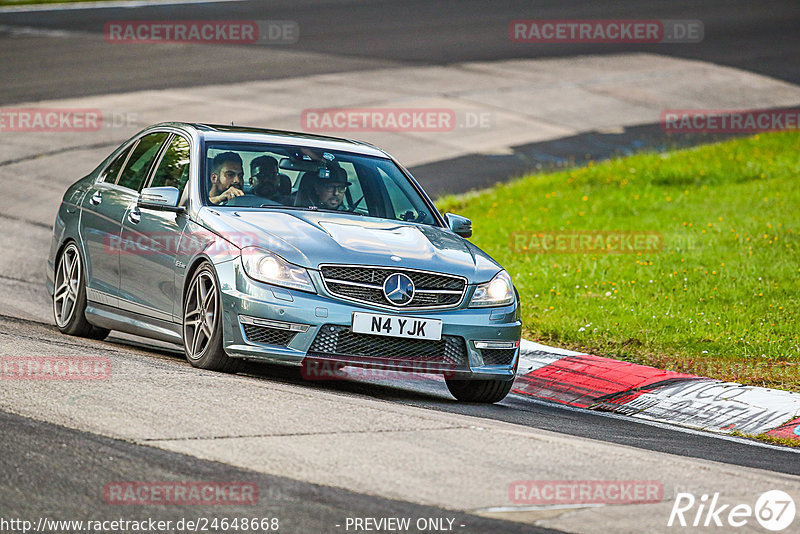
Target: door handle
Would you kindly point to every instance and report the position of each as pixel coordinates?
(96, 199)
(135, 216)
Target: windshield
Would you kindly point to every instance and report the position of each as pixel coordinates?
(291, 177)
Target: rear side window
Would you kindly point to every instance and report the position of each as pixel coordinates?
(112, 171)
(141, 160)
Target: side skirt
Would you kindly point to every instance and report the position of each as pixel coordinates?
(113, 318)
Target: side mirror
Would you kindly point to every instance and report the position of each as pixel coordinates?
(458, 224)
(160, 198)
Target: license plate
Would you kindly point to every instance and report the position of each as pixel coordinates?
(397, 326)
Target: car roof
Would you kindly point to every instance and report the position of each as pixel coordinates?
(230, 133)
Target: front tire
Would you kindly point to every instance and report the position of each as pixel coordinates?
(202, 323)
(69, 296)
(483, 391)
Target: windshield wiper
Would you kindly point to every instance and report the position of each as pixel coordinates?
(282, 207)
(310, 208)
(341, 211)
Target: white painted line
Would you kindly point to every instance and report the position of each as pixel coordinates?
(125, 4)
(526, 345)
(717, 405)
(23, 31)
(705, 403)
(658, 424)
(531, 362)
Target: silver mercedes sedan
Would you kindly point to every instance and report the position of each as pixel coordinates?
(251, 244)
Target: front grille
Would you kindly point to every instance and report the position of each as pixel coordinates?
(365, 284)
(339, 341)
(498, 356)
(269, 336)
(368, 294)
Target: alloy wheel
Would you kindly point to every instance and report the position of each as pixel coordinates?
(200, 317)
(67, 285)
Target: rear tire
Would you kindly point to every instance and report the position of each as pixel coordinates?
(483, 391)
(202, 323)
(69, 296)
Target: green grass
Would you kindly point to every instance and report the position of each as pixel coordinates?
(766, 438)
(719, 299)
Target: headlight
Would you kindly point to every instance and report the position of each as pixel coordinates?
(267, 267)
(499, 291)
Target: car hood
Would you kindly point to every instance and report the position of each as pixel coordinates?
(309, 239)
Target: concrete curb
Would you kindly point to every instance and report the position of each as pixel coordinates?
(597, 383)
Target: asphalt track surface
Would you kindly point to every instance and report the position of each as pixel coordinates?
(62, 54)
(59, 473)
(517, 409)
(75, 492)
(339, 35)
(761, 37)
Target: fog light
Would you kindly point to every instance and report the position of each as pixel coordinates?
(496, 344)
(278, 325)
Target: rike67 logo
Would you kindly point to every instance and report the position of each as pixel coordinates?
(774, 510)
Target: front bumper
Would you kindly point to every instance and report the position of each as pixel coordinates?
(269, 323)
